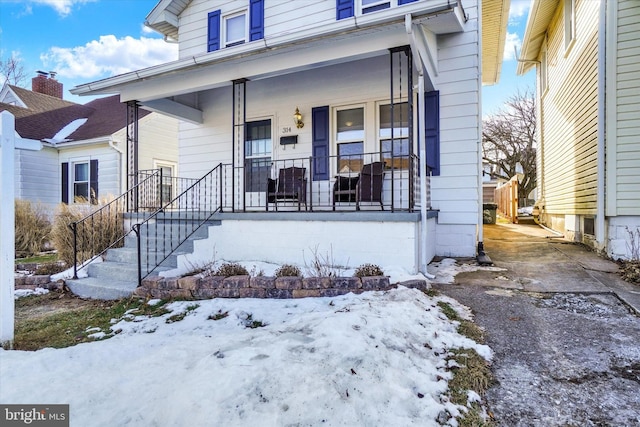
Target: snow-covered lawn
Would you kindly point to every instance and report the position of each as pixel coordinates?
(374, 359)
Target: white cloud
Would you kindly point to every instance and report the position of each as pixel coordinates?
(109, 56)
(63, 7)
(518, 9)
(512, 40)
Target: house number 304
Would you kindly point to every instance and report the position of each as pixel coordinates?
(286, 129)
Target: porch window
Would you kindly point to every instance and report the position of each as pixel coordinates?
(235, 29)
(257, 163)
(350, 138)
(394, 135)
(166, 186)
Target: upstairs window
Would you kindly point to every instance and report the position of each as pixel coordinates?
(347, 8)
(236, 27)
(569, 23)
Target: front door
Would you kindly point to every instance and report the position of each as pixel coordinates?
(257, 161)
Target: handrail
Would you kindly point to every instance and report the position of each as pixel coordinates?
(166, 229)
(109, 220)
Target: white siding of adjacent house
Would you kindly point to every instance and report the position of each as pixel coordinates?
(108, 167)
(627, 155)
(37, 178)
(569, 116)
(157, 142)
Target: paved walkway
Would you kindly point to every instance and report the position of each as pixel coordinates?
(560, 323)
(537, 260)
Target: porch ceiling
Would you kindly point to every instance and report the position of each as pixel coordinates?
(162, 88)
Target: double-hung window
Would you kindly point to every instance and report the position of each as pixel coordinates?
(235, 29)
(257, 155)
(81, 181)
(350, 139)
(394, 135)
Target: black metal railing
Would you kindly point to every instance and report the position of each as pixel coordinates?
(268, 184)
(171, 225)
(104, 228)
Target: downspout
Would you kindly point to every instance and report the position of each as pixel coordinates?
(600, 229)
(120, 152)
(421, 145)
(482, 257)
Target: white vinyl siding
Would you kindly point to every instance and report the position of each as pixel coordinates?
(108, 167)
(37, 177)
(628, 109)
(569, 116)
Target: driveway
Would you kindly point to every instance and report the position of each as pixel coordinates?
(564, 329)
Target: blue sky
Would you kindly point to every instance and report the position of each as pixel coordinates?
(88, 40)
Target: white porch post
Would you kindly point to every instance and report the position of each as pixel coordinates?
(8, 142)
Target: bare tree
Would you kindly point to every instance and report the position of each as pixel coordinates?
(508, 141)
(12, 71)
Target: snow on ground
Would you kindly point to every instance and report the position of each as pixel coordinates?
(19, 293)
(373, 359)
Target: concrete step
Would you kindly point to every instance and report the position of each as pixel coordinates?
(104, 289)
(130, 256)
(131, 242)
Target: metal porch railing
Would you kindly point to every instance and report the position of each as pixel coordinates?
(170, 226)
(104, 228)
(246, 187)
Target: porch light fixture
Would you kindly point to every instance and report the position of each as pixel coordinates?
(297, 119)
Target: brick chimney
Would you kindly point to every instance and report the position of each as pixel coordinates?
(47, 84)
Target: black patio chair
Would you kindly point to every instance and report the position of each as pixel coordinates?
(366, 187)
(291, 185)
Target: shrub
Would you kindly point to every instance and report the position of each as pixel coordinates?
(32, 228)
(94, 235)
(229, 269)
(366, 270)
(288, 270)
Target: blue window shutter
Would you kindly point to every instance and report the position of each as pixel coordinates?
(65, 183)
(256, 20)
(214, 31)
(432, 131)
(344, 9)
(401, 2)
(320, 143)
(93, 181)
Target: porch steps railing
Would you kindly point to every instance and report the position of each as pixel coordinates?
(158, 241)
(117, 276)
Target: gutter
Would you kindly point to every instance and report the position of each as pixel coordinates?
(309, 34)
(600, 224)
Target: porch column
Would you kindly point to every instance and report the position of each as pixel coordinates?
(132, 166)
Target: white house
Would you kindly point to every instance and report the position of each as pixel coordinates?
(587, 61)
(329, 86)
(84, 146)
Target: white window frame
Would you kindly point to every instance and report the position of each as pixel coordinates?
(225, 19)
(157, 164)
(544, 70)
(361, 8)
(402, 134)
(569, 25)
(74, 181)
(338, 141)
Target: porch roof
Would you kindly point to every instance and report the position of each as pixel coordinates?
(166, 88)
(540, 14)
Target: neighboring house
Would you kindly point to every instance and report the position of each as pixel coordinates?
(329, 86)
(588, 65)
(84, 146)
